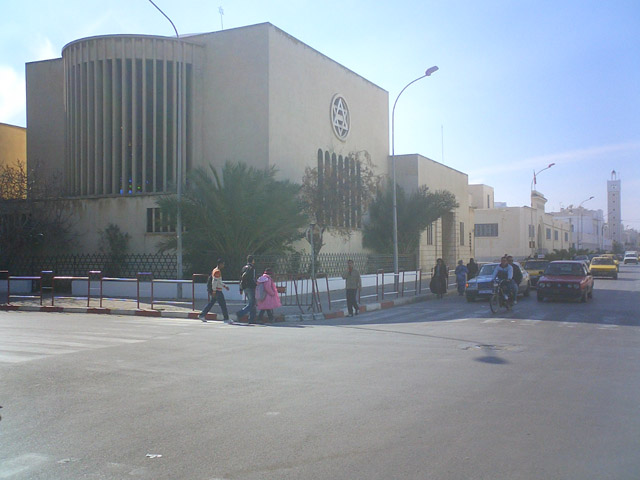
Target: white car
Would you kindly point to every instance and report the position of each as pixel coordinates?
(631, 257)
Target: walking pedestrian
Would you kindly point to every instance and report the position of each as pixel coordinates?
(267, 295)
(352, 284)
(440, 278)
(472, 266)
(248, 285)
(461, 277)
(216, 293)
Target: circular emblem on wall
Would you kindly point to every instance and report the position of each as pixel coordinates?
(340, 119)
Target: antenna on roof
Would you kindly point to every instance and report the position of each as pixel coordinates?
(221, 14)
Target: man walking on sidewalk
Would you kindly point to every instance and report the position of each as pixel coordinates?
(216, 293)
(248, 286)
(352, 284)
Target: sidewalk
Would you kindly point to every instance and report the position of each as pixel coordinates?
(369, 301)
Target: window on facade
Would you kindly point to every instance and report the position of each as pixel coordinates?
(566, 237)
(430, 234)
(461, 233)
(555, 235)
(160, 222)
(488, 201)
(486, 229)
(532, 231)
(339, 186)
(548, 234)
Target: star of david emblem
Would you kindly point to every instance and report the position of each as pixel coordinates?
(340, 117)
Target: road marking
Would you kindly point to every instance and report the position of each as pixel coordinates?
(531, 322)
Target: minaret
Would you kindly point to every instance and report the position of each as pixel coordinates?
(614, 207)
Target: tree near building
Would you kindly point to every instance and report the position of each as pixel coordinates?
(34, 216)
(415, 213)
(338, 191)
(239, 211)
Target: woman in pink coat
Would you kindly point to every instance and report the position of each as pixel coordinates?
(271, 298)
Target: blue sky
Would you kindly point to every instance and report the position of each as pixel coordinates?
(521, 83)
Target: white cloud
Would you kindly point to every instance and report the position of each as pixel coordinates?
(12, 96)
(43, 49)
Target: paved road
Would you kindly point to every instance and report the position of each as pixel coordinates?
(436, 390)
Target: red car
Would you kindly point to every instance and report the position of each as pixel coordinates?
(566, 279)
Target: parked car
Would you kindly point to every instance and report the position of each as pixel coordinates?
(481, 286)
(535, 268)
(604, 267)
(631, 257)
(566, 279)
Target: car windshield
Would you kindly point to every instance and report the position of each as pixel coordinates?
(602, 261)
(536, 265)
(487, 269)
(564, 269)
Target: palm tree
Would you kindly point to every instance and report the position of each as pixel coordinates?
(415, 213)
(242, 211)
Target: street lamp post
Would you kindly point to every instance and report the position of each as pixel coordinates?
(396, 274)
(532, 233)
(178, 156)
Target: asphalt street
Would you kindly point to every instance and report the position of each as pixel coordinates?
(441, 389)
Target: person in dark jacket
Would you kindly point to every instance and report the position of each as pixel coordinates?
(472, 266)
(517, 278)
(248, 285)
(440, 278)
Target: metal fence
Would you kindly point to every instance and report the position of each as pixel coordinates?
(126, 266)
(163, 266)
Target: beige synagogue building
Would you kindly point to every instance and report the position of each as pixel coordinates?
(112, 112)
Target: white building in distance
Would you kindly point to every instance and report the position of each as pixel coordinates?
(588, 227)
(519, 231)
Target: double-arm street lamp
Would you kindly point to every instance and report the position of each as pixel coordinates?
(532, 232)
(427, 73)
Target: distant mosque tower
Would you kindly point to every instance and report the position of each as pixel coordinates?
(614, 207)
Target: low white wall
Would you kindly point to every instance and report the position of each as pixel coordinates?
(167, 289)
(18, 287)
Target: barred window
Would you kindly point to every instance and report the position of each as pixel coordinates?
(430, 234)
(159, 221)
(339, 186)
(555, 234)
(486, 229)
(461, 233)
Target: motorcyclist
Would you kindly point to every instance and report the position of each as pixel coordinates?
(504, 271)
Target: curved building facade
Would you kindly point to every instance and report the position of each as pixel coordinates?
(128, 108)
